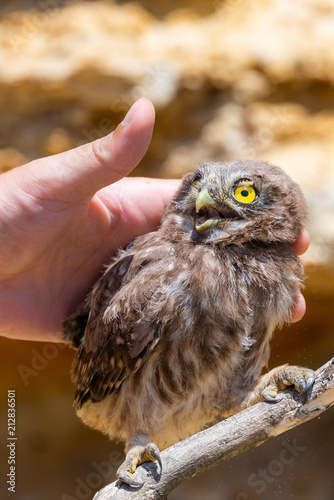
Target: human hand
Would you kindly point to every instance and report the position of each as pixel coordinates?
(63, 217)
(300, 247)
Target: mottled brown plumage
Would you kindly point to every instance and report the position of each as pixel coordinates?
(176, 331)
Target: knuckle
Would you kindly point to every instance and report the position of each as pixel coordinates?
(98, 150)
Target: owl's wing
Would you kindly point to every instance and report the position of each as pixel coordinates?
(117, 338)
(74, 327)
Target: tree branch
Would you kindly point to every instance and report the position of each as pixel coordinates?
(228, 438)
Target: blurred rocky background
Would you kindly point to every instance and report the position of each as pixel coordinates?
(229, 79)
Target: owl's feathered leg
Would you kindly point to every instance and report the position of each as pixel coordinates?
(278, 379)
(140, 450)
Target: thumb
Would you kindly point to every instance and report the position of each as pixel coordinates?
(75, 175)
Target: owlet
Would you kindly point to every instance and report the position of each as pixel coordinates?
(177, 329)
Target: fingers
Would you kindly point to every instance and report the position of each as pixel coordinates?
(299, 308)
(136, 205)
(302, 243)
(75, 176)
(300, 246)
(105, 161)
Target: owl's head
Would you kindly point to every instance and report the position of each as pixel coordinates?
(238, 201)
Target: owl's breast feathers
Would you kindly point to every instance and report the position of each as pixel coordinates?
(184, 310)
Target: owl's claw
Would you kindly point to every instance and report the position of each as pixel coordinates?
(306, 392)
(127, 478)
(137, 456)
(272, 399)
(301, 378)
(155, 452)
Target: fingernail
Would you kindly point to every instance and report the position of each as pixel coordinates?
(128, 116)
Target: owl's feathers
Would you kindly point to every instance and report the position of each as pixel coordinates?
(177, 329)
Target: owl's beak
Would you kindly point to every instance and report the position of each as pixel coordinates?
(209, 213)
(203, 200)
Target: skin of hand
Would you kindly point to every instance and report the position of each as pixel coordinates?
(63, 217)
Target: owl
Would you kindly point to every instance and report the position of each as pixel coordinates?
(176, 331)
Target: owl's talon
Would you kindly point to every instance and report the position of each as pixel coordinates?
(155, 453)
(302, 379)
(127, 479)
(270, 392)
(272, 399)
(307, 391)
(137, 456)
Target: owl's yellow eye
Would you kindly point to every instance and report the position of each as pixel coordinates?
(245, 194)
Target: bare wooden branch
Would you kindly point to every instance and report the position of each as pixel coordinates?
(228, 438)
